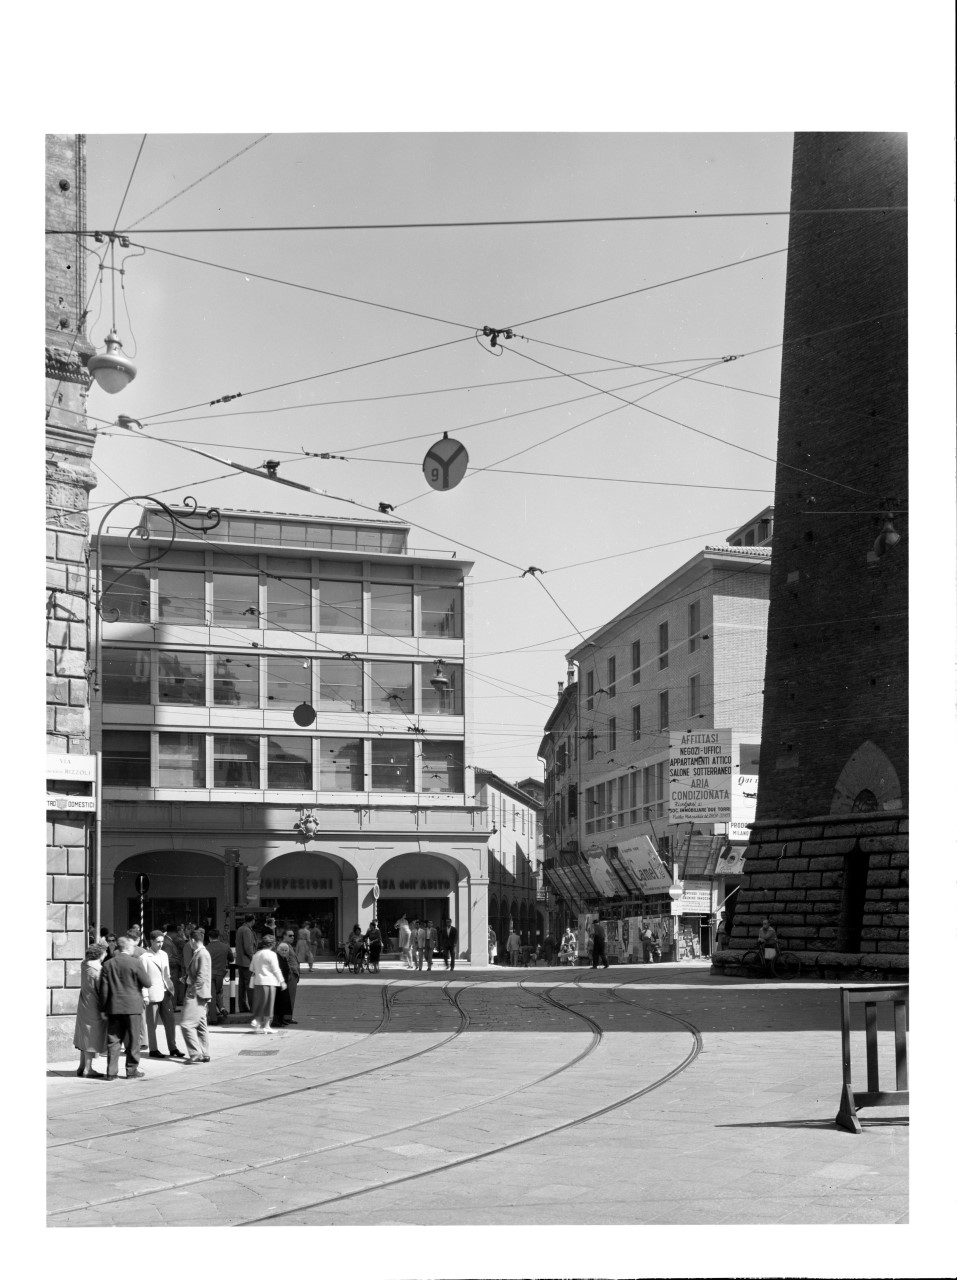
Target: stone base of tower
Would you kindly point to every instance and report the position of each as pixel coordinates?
(835, 888)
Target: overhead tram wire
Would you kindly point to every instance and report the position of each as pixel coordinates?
(696, 216)
(199, 180)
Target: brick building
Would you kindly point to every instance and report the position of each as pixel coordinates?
(828, 851)
(69, 479)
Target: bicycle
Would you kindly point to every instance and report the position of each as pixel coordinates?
(773, 962)
(358, 963)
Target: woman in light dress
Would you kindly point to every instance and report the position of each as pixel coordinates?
(89, 1033)
(304, 951)
(265, 978)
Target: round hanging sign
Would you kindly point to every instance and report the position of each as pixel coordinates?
(445, 463)
(304, 715)
(142, 884)
(375, 891)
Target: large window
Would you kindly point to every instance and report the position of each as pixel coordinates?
(181, 596)
(612, 733)
(340, 764)
(340, 684)
(126, 676)
(663, 709)
(235, 761)
(288, 604)
(340, 607)
(694, 695)
(236, 600)
(393, 765)
(441, 611)
(443, 767)
(611, 681)
(288, 681)
(181, 760)
(126, 758)
(636, 662)
(694, 625)
(126, 595)
(391, 688)
(391, 604)
(289, 764)
(448, 702)
(235, 680)
(636, 722)
(590, 691)
(662, 646)
(182, 677)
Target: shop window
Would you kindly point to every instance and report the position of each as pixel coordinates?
(662, 646)
(443, 767)
(126, 676)
(340, 607)
(393, 765)
(181, 596)
(126, 758)
(288, 604)
(236, 600)
(447, 702)
(181, 760)
(636, 662)
(441, 612)
(235, 680)
(340, 684)
(391, 688)
(182, 677)
(391, 609)
(289, 764)
(288, 682)
(340, 764)
(235, 761)
(126, 595)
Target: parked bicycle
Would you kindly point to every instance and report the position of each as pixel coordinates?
(773, 962)
(358, 964)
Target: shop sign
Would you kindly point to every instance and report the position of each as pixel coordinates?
(85, 804)
(744, 799)
(281, 884)
(71, 768)
(697, 898)
(699, 776)
(642, 858)
(413, 886)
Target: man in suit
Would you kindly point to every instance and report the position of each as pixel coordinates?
(219, 959)
(245, 950)
(451, 938)
(122, 984)
(199, 989)
(292, 960)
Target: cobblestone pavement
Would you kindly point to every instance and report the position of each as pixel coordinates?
(634, 1095)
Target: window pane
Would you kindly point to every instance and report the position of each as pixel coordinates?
(635, 723)
(610, 682)
(636, 662)
(694, 695)
(182, 595)
(391, 609)
(288, 681)
(340, 764)
(443, 767)
(447, 703)
(235, 761)
(663, 710)
(127, 591)
(340, 684)
(181, 760)
(126, 675)
(290, 763)
(662, 646)
(288, 604)
(235, 681)
(126, 758)
(236, 600)
(340, 607)
(391, 688)
(182, 677)
(393, 766)
(442, 611)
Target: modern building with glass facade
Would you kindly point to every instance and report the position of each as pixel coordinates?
(281, 716)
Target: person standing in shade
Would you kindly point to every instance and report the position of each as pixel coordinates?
(405, 941)
(245, 950)
(121, 988)
(89, 1031)
(451, 938)
(174, 943)
(304, 945)
(134, 932)
(266, 979)
(155, 964)
(421, 938)
(219, 963)
(374, 939)
(431, 942)
(598, 945)
(292, 978)
(492, 944)
(281, 1006)
(198, 993)
(513, 946)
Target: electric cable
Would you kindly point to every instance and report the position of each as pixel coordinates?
(199, 180)
(128, 185)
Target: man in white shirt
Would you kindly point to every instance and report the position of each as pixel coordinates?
(159, 997)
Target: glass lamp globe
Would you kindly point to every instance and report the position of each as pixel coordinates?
(112, 371)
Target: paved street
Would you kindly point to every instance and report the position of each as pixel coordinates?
(633, 1095)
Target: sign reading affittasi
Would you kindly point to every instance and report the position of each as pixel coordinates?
(700, 776)
(445, 463)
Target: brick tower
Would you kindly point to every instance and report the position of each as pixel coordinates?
(827, 858)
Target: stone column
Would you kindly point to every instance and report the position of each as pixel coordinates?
(477, 940)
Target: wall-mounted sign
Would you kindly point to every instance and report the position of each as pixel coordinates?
(73, 804)
(412, 886)
(72, 768)
(699, 776)
(285, 884)
(744, 799)
(641, 856)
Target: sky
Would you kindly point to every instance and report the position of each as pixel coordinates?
(606, 497)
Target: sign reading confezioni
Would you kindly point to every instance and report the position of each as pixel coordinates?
(699, 776)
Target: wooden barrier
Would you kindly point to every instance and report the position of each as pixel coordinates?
(873, 1095)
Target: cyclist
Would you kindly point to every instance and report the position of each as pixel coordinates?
(768, 940)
